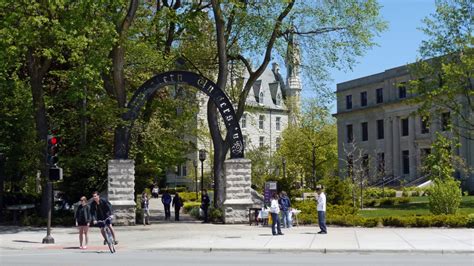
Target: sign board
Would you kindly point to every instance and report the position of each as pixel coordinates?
(270, 188)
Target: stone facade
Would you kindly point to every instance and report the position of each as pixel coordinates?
(396, 138)
(121, 191)
(238, 195)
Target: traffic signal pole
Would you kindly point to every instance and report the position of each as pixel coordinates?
(51, 161)
(48, 239)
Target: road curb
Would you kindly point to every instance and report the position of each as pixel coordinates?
(320, 251)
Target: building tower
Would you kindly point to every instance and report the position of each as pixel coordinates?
(293, 87)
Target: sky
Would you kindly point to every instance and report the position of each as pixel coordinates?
(397, 46)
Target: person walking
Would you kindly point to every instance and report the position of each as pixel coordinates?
(321, 198)
(177, 204)
(82, 216)
(274, 211)
(205, 205)
(155, 191)
(166, 200)
(285, 205)
(145, 209)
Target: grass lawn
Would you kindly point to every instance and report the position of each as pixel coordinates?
(417, 206)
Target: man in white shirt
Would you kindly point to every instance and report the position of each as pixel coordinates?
(321, 209)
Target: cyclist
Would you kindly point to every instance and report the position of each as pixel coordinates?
(101, 210)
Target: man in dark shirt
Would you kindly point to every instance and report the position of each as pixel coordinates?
(166, 200)
(101, 210)
(205, 205)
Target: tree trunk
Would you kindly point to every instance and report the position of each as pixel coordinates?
(37, 69)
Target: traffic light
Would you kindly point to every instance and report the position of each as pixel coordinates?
(53, 149)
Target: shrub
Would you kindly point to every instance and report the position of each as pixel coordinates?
(216, 215)
(470, 221)
(445, 196)
(387, 201)
(371, 222)
(337, 190)
(403, 200)
(393, 221)
(188, 206)
(189, 196)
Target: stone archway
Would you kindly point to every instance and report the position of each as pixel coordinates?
(121, 173)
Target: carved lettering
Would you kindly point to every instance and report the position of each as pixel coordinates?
(235, 136)
(201, 83)
(229, 118)
(226, 110)
(222, 105)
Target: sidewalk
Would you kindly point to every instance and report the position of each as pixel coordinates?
(192, 235)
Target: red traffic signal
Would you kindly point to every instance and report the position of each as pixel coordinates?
(53, 140)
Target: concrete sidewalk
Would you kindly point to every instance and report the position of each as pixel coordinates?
(218, 237)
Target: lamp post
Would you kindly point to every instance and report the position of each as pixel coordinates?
(202, 158)
(195, 164)
(283, 163)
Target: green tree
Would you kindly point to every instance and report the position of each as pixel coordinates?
(445, 194)
(310, 147)
(250, 33)
(443, 75)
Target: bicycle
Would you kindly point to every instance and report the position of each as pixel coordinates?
(109, 238)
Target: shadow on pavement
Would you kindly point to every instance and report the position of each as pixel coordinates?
(26, 241)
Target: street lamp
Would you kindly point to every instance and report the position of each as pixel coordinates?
(283, 162)
(195, 164)
(202, 158)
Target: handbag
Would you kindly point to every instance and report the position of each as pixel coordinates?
(270, 221)
(201, 212)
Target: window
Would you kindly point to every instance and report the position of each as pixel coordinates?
(184, 171)
(363, 98)
(243, 121)
(348, 102)
(406, 162)
(261, 142)
(365, 164)
(277, 143)
(261, 119)
(246, 140)
(379, 94)
(260, 98)
(404, 126)
(350, 134)
(177, 170)
(365, 131)
(278, 99)
(425, 125)
(445, 121)
(380, 132)
(278, 123)
(381, 164)
(402, 90)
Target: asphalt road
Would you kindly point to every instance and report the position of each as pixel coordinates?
(75, 257)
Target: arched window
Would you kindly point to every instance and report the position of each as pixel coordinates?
(260, 100)
(278, 99)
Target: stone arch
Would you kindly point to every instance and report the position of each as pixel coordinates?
(150, 87)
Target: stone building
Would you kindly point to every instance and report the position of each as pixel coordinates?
(375, 116)
(272, 103)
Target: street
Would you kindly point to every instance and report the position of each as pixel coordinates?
(76, 257)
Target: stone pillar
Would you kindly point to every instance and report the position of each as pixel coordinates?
(238, 197)
(121, 190)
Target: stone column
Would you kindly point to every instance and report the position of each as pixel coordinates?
(238, 197)
(121, 190)
(396, 146)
